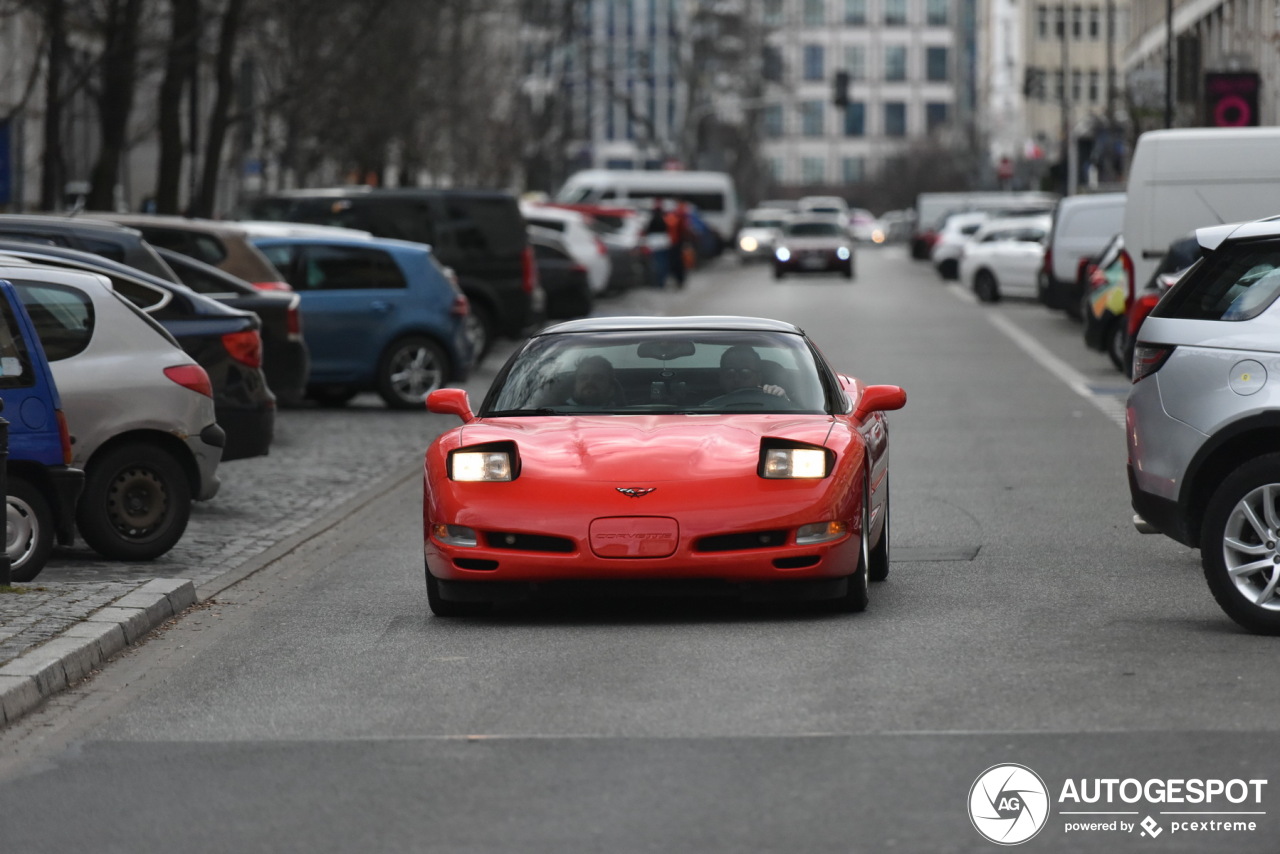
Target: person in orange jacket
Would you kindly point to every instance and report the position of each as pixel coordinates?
(680, 231)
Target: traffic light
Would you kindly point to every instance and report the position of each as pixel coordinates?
(840, 89)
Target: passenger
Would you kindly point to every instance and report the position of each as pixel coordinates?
(742, 368)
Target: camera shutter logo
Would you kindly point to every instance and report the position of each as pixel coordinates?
(1008, 804)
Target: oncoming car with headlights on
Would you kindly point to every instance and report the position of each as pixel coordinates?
(758, 237)
(703, 455)
(814, 244)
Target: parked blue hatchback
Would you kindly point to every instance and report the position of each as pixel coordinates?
(42, 487)
(378, 315)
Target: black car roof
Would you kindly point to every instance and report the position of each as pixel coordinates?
(64, 223)
(641, 324)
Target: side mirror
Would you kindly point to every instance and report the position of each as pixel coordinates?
(880, 398)
(450, 401)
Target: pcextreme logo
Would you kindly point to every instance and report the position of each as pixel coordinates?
(1008, 804)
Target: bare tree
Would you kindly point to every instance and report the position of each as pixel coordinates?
(181, 67)
(118, 74)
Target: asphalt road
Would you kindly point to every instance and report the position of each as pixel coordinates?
(318, 706)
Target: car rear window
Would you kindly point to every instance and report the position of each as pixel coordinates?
(1236, 283)
(491, 225)
(63, 317)
(202, 247)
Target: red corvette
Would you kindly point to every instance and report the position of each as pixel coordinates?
(716, 455)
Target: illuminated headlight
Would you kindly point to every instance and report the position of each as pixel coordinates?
(749, 244)
(877, 236)
(820, 532)
(783, 254)
(843, 253)
(794, 462)
(457, 535)
(480, 465)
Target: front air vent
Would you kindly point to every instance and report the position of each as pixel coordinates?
(475, 563)
(527, 542)
(741, 542)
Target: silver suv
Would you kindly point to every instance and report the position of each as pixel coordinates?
(1204, 418)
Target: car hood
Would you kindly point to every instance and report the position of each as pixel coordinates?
(656, 448)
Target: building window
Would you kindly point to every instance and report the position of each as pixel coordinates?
(1077, 85)
(773, 12)
(1095, 83)
(1077, 23)
(936, 69)
(1095, 23)
(1060, 23)
(855, 12)
(855, 62)
(855, 119)
(813, 170)
(895, 62)
(936, 116)
(895, 13)
(853, 169)
(777, 169)
(895, 118)
(812, 115)
(773, 116)
(936, 13)
(1058, 84)
(813, 62)
(815, 13)
(771, 58)
(1042, 23)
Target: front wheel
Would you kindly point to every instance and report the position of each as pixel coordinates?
(442, 607)
(1240, 545)
(135, 504)
(857, 596)
(29, 532)
(1117, 343)
(878, 567)
(410, 369)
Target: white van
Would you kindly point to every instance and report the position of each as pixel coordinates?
(712, 193)
(1082, 227)
(1184, 179)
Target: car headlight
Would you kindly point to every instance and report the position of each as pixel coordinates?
(821, 532)
(480, 465)
(795, 463)
(843, 253)
(783, 254)
(455, 535)
(749, 244)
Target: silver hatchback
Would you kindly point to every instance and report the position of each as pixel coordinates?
(139, 410)
(1203, 418)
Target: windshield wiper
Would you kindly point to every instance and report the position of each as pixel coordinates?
(505, 412)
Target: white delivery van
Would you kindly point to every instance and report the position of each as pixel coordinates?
(1082, 227)
(1184, 179)
(712, 193)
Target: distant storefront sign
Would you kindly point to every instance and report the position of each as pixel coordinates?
(1231, 99)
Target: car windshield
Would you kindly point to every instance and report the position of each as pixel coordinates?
(813, 229)
(765, 222)
(696, 372)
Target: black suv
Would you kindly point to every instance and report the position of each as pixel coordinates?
(107, 239)
(480, 234)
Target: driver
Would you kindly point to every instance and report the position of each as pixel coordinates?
(742, 368)
(594, 384)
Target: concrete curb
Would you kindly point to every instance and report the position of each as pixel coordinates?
(39, 673)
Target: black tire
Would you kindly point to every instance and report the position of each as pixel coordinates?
(135, 504)
(878, 566)
(29, 539)
(446, 608)
(856, 597)
(1117, 343)
(411, 368)
(949, 269)
(778, 274)
(985, 286)
(848, 272)
(1228, 540)
(482, 328)
(331, 396)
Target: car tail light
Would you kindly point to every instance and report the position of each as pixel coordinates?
(273, 286)
(1126, 262)
(1149, 358)
(293, 320)
(1084, 269)
(461, 306)
(1046, 263)
(577, 268)
(245, 347)
(192, 377)
(65, 435)
(1139, 310)
(528, 271)
(600, 247)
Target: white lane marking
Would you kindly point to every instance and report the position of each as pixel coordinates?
(1111, 405)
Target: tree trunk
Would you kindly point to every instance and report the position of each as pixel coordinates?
(220, 114)
(53, 170)
(181, 67)
(115, 102)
